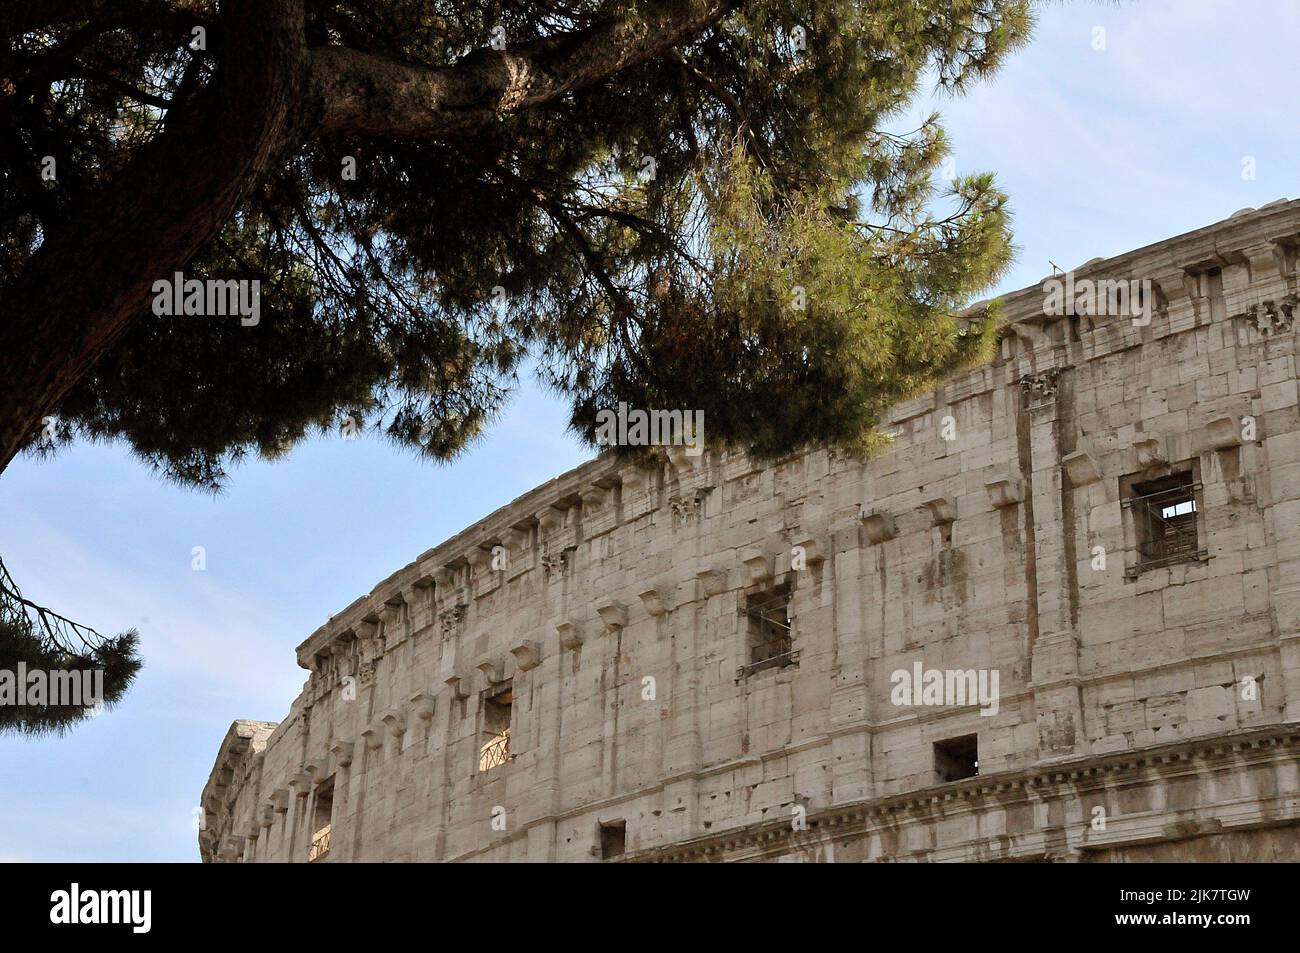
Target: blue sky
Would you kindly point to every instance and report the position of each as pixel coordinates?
(1101, 151)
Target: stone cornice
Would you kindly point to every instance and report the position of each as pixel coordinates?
(243, 739)
(1222, 242)
(1042, 781)
(489, 632)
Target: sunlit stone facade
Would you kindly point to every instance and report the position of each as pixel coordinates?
(1106, 518)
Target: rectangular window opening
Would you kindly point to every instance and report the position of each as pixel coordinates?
(1164, 521)
(613, 839)
(957, 758)
(767, 617)
(495, 750)
(322, 816)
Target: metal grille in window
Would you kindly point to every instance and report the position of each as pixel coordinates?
(495, 753)
(496, 728)
(1164, 522)
(768, 620)
(320, 844)
(322, 814)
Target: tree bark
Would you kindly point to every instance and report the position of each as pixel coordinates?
(367, 94)
(85, 286)
(87, 283)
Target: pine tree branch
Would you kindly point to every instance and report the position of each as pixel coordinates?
(368, 94)
(51, 628)
(85, 286)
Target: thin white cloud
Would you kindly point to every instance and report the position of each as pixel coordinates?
(225, 638)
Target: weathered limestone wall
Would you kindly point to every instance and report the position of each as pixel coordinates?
(992, 537)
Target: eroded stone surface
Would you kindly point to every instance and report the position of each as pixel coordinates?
(605, 616)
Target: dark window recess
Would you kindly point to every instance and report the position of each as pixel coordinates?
(613, 839)
(495, 750)
(322, 815)
(1164, 522)
(957, 758)
(767, 617)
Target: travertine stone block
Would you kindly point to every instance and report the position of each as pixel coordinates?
(1004, 491)
(493, 670)
(712, 580)
(342, 752)
(879, 527)
(1222, 433)
(1082, 468)
(570, 635)
(764, 672)
(528, 655)
(655, 600)
(613, 615)
(942, 509)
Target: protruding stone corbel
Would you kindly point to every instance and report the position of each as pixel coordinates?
(1223, 433)
(390, 613)
(300, 782)
(879, 526)
(712, 580)
(514, 539)
(943, 509)
(655, 600)
(494, 671)
(1262, 260)
(812, 550)
(759, 565)
(458, 685)
(1081, 468)
(1285, 257)
(634, 479)
(266, 817)
(395, 721)
(343, 646)
(1150, 451)
(593, 498)
(1004, 491)
(478, 559)
(342, 751)
(280, 800)
(373, 736)
(570, 636)
(528, 655)
(550, 519)
(613, 615)
(422, 705)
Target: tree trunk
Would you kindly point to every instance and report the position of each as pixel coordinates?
(92, 278)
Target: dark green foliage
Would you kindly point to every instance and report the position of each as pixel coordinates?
(117, 657)
(32, 638)
(410, 296)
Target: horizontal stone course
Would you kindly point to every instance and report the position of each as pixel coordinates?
(612, 607)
